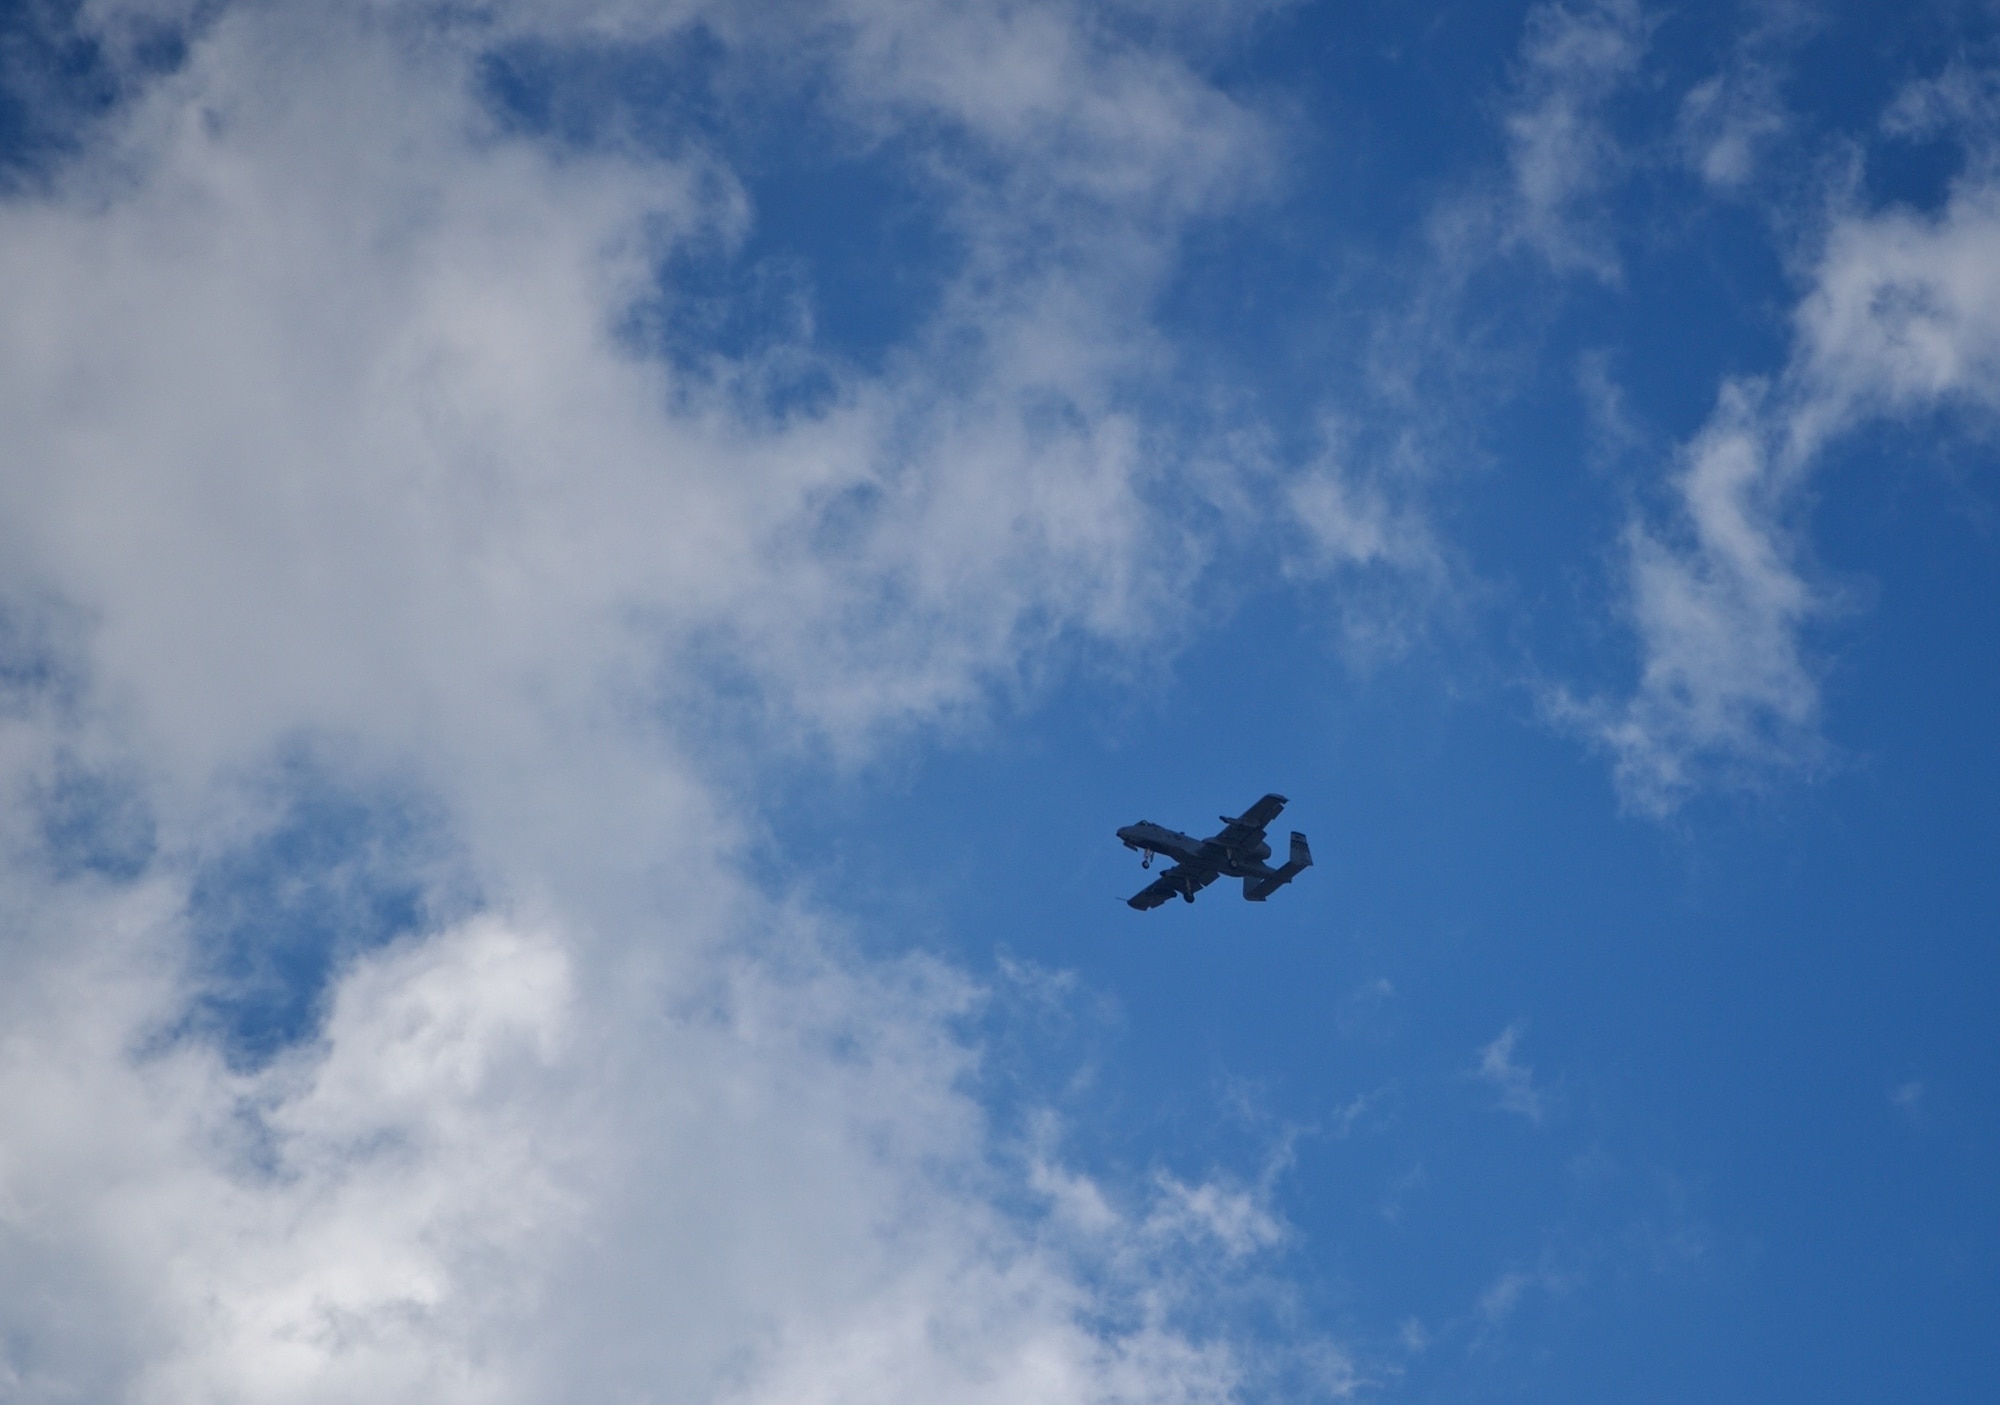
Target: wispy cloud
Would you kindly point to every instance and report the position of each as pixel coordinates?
(1512, 1080)
(1909, 1098)
(1719, 611)
(1727, 122)
(1501, 1299)
(1560, 151)
(1901, 318)
(1547, 207)
(1730, 123)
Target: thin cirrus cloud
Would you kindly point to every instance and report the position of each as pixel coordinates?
(340, 448)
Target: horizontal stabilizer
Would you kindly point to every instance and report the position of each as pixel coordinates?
(1258, 889)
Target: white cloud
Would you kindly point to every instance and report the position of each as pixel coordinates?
(1504, 1296)
(1361, 527)
(1718, 613)
(1356, 1110)
(1909, 1100)
(1549, 208)
(413, 313)
(1901, 318)
(1498, 1301)
(1729, 123)
(495, 1178)
(1235, 1219)
(1961, 103)
(1348, 523)
(1513, 1081)
(1560, 151)
(321, 434)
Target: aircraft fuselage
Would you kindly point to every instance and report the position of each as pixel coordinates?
(1203, 853)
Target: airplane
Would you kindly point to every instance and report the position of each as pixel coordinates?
(1238, 852)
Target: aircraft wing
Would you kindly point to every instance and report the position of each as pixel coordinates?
(1248, 827)
(1178, 881)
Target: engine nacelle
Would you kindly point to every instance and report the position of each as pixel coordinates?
(1258, 854)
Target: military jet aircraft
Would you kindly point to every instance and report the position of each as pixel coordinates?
(1238, 852)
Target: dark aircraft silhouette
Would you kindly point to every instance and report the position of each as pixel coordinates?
(1238, 852)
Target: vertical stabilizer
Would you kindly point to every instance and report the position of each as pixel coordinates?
(1302, 857)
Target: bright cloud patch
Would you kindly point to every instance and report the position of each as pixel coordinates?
(337, 437)
(492, 1178)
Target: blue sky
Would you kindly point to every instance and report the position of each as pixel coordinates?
(583, 587)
